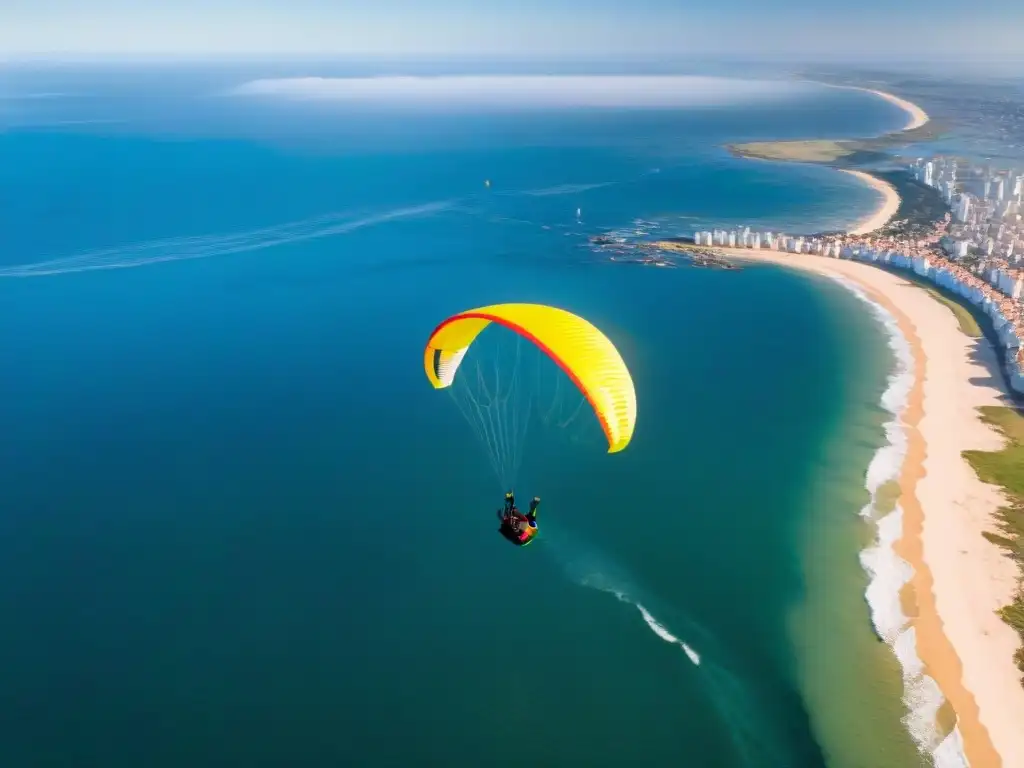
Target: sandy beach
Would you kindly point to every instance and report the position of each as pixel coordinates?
(832, 152)
(890, 203)
(960, 578)
(916, 117)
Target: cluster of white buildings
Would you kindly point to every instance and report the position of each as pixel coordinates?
(991, 284)
(987, 208)
(976, 252)
(774, 241)
(994, 290)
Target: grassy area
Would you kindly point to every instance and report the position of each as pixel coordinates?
(968, 324)
(964, 315)
(829, 151)
(1006, 468)
(813, 151)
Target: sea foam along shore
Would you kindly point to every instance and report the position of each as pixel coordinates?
(953, 646)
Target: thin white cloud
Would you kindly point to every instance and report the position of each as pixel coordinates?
(518, 91)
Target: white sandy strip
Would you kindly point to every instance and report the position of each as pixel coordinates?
(889, 206)
(916, 116)
(972, 578)
(965, 646)
(890, 199)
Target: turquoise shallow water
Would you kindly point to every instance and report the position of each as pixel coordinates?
(238, 524)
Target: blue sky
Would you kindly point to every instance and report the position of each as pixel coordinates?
(823, 29)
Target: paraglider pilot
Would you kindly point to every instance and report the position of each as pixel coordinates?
(515, 526)
(531, 516)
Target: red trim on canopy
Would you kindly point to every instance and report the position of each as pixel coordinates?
(547, 350)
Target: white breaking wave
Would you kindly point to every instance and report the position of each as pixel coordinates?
(888, 572)
(209, 246)
(950, 753)
(529, 90)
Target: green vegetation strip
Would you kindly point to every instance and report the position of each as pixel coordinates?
(809, 151)
(830, 151)
(1006, 468)
(963, 315)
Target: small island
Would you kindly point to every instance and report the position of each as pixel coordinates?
(835, 152)
(697, 256)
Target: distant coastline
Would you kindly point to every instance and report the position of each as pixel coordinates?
(948, 513)
(845, 152)
(918, 117)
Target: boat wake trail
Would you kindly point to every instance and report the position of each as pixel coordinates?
(209, 246)
(566, 189)
(586, 567)
(750, 732)
(597, 581)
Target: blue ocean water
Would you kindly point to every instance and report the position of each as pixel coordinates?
(240, 527)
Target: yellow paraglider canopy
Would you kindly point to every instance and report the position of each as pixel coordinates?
(586, 355)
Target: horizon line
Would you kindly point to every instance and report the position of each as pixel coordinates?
(529, 57)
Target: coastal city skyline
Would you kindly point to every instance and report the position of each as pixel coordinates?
(976, 250)
(983, 233)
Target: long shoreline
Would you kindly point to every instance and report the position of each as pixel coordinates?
(965, 660)
(968, 654)
(917, 117)
(959, 578)
(888, 207)
(961, 684)
(890, 203)
(846, 153)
